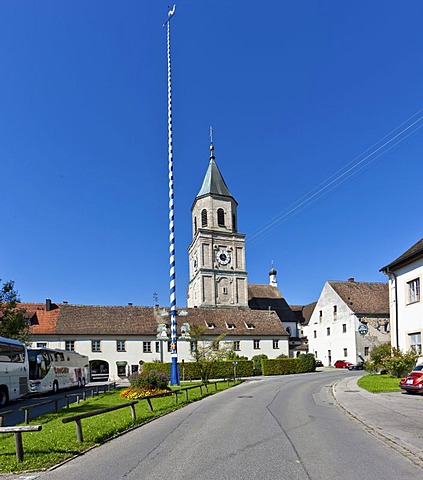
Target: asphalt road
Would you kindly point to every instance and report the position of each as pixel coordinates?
(283, 427)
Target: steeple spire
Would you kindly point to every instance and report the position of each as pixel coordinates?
(213, 182)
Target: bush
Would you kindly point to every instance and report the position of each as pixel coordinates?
(257, 363)
(308, 362)
(192, 371)
(149, 380)
(285, 366)
(384, 359)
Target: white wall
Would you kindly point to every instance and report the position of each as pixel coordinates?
(410, 316)
(134, 349)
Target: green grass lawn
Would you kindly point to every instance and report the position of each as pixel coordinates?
(57, 441)
(379, 383)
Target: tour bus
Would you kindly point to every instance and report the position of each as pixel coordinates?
(51, 369)
(13, 370)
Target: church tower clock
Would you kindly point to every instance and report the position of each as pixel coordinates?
(218, 276)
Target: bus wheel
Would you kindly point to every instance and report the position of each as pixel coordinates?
(55, 387)
(4, 397)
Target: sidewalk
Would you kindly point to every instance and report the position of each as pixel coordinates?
(395, 417)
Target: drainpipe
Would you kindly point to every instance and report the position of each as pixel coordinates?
(392, 274)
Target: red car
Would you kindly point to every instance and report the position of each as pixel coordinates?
(342, 364)
(413, 382)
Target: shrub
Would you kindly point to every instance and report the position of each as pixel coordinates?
(384, 359)
(308, 362)
(285, 366)
(149, 380)
(257, 363)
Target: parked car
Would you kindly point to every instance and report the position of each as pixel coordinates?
(413, 382)
(342, 364)
(357, 366)
(318, 363)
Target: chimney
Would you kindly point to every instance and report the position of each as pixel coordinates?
(351, 280)
(48, 304)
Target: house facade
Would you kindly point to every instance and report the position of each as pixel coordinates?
(406, 306)
(348, 321)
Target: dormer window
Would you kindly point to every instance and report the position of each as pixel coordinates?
(220, 217)
(211, 325)
(250, 326)
(231, 326)
(204, 218)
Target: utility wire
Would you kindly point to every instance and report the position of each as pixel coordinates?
(339, 178)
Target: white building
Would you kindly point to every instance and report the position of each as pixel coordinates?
(406, 306)
(343, 310)
(116, 339)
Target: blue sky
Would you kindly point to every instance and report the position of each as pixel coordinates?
(295, 92)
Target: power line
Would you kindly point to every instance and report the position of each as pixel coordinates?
(341, 176)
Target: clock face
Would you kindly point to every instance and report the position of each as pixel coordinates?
(223, 257)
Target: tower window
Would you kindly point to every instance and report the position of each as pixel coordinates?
(195, 224)
(220, 217)
(204, 218)
(234, 227)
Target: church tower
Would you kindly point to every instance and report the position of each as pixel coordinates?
(217, 271)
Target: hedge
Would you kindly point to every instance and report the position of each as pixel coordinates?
(284, 366)
(190, 370)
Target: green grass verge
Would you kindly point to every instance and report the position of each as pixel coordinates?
(379, 383)
(57, 441)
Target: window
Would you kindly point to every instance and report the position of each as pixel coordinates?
(335, 312)
(416, 342)
(42, 345)
(256, 344)
(288, 329)
(231, 326)
(345, 352)
(96, 345)
(320, 316)
(413, 289)
(204, 218)
(220, 217)
(169, 346)
(234, 226)
(157, 347)
(193, 346)
(70, 345)
(195, 224)
(211, 325)
(315, 334)
(120, 346)
(328, 331)
(215, 345)
(121, 370)
(275, 344)
(146, 347)
(250, 326)
(366, 351)
(344, 328)
(237, 345)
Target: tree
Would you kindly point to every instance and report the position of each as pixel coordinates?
(13, 323)
(207, 352)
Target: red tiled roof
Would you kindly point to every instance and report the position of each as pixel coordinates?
(68, 319)
(364, 297)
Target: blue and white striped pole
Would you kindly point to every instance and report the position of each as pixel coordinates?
(174, 369)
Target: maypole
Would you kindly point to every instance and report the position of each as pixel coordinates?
(174, 369)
